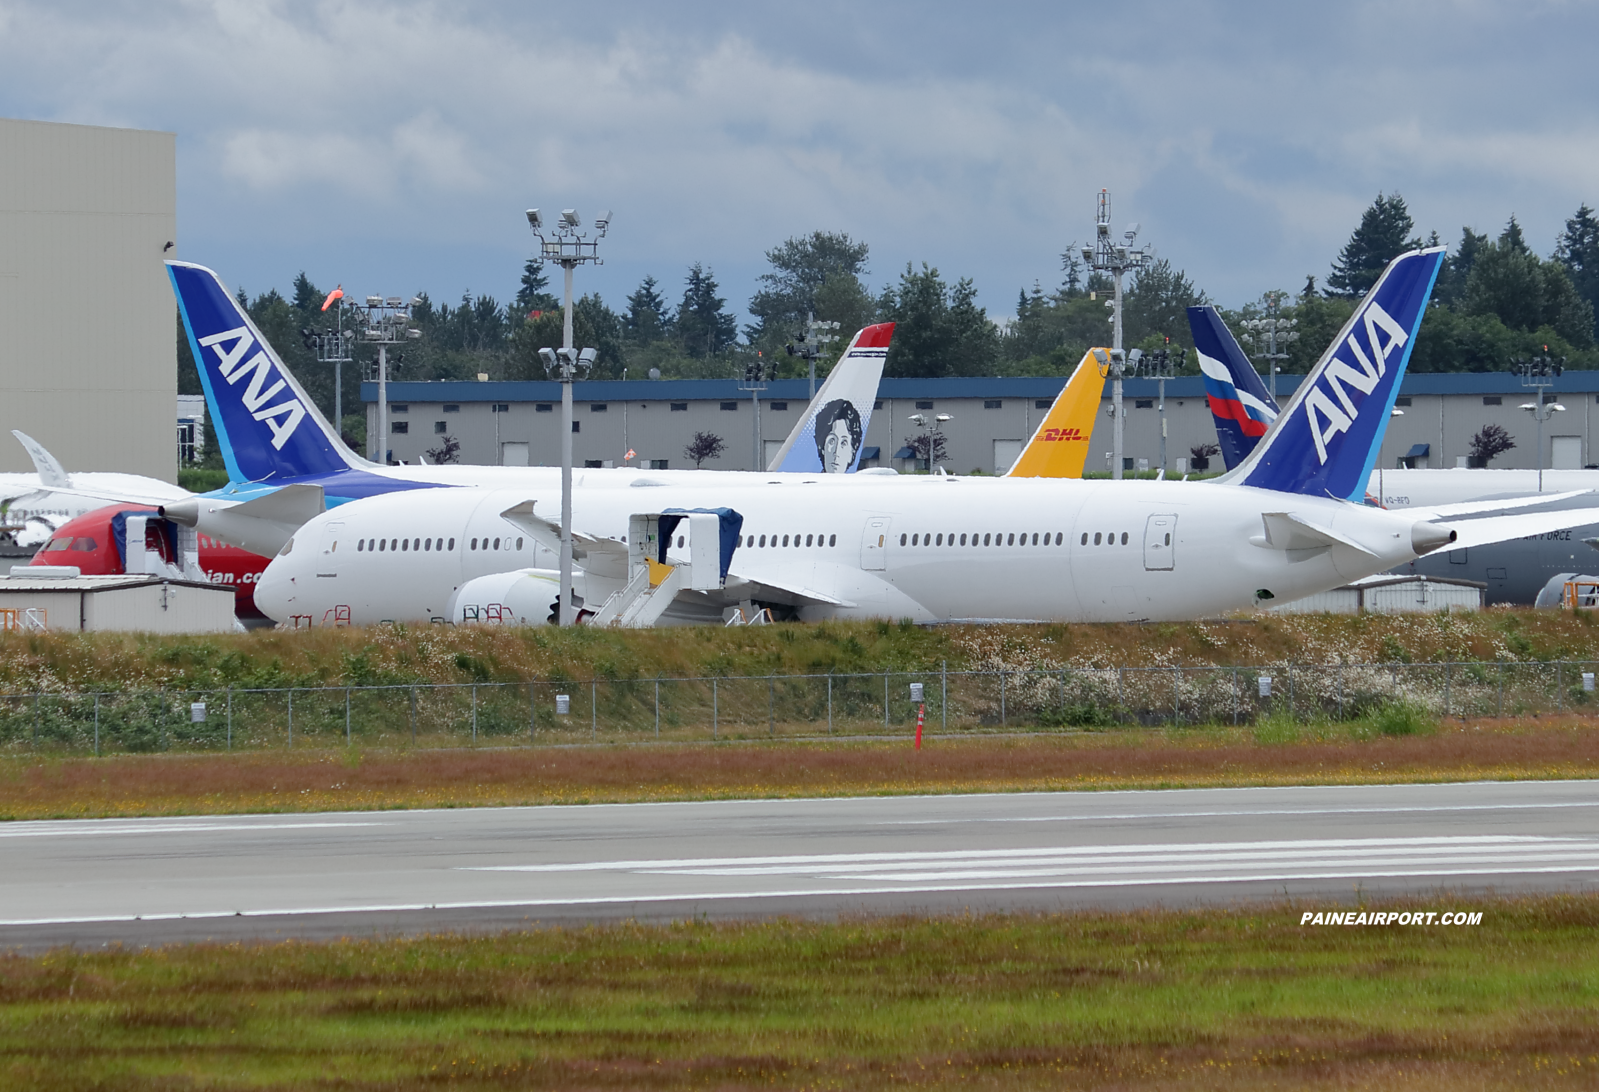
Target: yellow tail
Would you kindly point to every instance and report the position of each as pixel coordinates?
(1060, 446)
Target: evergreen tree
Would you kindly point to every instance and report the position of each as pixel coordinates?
(1156, 305)
(702, 326)
(647, 319)
(1525, 293)
(1578, 250)
(801, 267)
(534, 293)
(306, 296)
(1383, 235)
(1512, 238)
(1457, 267)
(941, 330)
(1071, 264)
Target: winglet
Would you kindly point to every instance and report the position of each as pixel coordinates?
(52, 475)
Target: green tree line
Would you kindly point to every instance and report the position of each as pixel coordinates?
(1496, 299)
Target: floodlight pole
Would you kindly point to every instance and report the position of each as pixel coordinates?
(755, 384)
(1274, 329)
(388, 322)
(333, 347)
(1107, 256)
(1539, 374)
(563, 244)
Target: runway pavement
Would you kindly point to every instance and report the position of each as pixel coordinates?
(145, 881)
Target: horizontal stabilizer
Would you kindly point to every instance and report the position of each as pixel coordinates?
(1472, 508)
(262, 525)
(1288, 531)
(602, 556)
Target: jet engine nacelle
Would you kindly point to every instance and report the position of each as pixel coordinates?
(522, 597)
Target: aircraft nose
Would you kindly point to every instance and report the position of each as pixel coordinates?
(275, 591)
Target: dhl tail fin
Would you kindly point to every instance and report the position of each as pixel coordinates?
(1059, 448)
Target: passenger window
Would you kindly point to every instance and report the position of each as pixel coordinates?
(902, 539)
(1124, 538)
(452, 543)
(1010, 540)
(360, 546)
(1096, 538)
(940, 541)
(1168, 538)
(808, 540)
(680, 540)
(785, 540)
(518, 543)
(963, 540)
(1057, 538)
(496, 544)
(474, 544)
(405, 544)
(832, 540)
(383, 545)
(763, 540)
(1035, 538)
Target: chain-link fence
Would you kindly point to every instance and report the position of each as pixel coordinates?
(555, 711)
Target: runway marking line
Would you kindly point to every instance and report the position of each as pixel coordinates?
(713, 896)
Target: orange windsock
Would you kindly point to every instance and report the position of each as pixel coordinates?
(336, 294)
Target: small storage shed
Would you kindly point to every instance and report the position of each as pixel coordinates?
(61, 600)
(1386, 593)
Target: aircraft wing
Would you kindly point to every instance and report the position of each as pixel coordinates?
(1471, 508)
(739, 588)
(600, 555)
(1491, 529)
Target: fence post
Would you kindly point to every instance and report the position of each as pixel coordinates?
(97, 725)
(1500, 709)
(1449, 671)
(35, 740)
(829, 703)
(885, 699)
(230, 716)
(291, 716)
(1290, 691)
(1177, 695)
(715, 731)
(532, 713)
(771, 701)
(657, 707)
(1340, 690)
(1121, 703)
(1235, 695)
(1560, 678)
(413, 714)
(474, 713)
(594, 710)
(943, 704)
(1002, 698)
(346, 716)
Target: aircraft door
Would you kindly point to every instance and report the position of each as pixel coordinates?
(1160, 543)
(874, 543)
(330, 538)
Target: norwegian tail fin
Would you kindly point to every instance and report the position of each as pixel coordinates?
(1325, 442)
(830, 435)
(1059, 446)
(268, 427)
(1239, 402)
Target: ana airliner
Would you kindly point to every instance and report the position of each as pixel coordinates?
(1286, 523)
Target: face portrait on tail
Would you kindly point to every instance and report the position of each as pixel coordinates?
(838, 436)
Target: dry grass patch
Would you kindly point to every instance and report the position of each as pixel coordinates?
(36, 788)
(1215, 999)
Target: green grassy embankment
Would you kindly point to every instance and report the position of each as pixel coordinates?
(1218, 999)
(420, 654)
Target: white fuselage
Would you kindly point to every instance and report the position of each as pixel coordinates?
(1423, 488)
(1025, 549)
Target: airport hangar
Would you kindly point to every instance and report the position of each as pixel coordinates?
(88, 359)
(518, 423)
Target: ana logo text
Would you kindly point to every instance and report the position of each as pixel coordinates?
(1336, 417)
(1062, 434)
(282, 418)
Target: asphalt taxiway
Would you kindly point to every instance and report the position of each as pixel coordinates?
(148, 881)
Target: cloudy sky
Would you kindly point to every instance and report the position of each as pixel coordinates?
(393, 146)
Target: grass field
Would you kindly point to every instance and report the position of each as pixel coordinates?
(1215, 999)
(1274, 752)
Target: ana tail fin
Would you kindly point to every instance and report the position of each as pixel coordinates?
(266, 424)
(830, 435)
(1325, 442)
(1239, 402)
(1059, 446)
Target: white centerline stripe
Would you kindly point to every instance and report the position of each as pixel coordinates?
(1108, 816)
(185, 828)
(711, 896)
